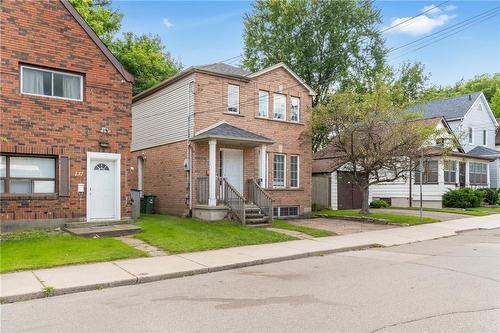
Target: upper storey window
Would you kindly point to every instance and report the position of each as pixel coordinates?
(279, 106)
(295, 109)
(263, 103)
(43, 82)
(233, 99)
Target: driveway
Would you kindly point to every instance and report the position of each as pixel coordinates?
(340, 227)
(435, 215)
(445, 285)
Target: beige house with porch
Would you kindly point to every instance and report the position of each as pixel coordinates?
(217, 141)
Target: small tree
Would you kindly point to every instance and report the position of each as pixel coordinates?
(374, 138)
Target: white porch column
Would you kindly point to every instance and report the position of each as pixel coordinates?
(212, 148)
(263, 165)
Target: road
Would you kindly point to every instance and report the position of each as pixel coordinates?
(446, 285)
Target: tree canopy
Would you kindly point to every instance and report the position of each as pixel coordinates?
(144, 56)
(327, 43)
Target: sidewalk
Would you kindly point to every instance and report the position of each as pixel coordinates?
(70, 279)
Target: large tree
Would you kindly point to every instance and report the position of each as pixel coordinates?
(330, 44)
(374, 138)
(144, 56)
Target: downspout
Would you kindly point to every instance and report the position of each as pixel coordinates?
(190, 151)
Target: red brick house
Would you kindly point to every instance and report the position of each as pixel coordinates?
(216, 139)
(65, 119)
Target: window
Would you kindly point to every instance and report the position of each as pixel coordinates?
(295, 109)
(294, 171)
(484, 137)
(43, 82)
(430, 173)
(450, 172)
(440, 142)
(263, 103)
(279, 106)
(286, 211)
(233, 99)
(470, 134)
(478, 173)
(24, 175)
(140, 175)
(279, 170)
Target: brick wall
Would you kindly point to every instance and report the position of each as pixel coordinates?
(44, 33)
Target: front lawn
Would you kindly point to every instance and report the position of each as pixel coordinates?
(468, 211)
(392, 218)
(280, 224)
(177, 234)
(43, 249)
(485, 210)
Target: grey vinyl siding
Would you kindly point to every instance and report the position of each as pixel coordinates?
(164, 117)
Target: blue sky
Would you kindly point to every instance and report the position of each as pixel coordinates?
(204, 32)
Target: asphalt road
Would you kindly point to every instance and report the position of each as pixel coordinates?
(445, 285)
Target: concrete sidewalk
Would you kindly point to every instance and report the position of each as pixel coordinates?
(69, 279)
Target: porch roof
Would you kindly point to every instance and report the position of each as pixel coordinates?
(227, 132)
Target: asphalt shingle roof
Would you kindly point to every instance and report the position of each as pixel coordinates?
(225, 69)
(449, 108)
(225, 130)
(483, 151)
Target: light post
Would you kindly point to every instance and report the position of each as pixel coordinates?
(421, 181)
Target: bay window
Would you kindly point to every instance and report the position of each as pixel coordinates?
(263, 103)
(44, 82)
(279, 103)
(478, 173)
(450, 172)
(233, 99)
(295, 109)
(279, 170)
(26, 175)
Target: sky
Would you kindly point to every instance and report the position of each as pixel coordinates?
(204, 32)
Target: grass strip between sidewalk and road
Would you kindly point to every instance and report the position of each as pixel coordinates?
(392, 218)
(44, 249)
(178, 234)
(280, 224)
(468, 211)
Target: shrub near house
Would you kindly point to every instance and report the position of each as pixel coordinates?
(463, 198)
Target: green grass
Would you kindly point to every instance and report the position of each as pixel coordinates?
(479, 211)
(392, 218)
(280, 224)
(177, 234)
(43, 249)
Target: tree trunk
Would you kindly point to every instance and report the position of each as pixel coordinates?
(365, 207)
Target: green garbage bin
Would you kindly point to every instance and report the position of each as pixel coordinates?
(149, 203)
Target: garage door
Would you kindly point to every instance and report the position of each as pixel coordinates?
(349, 195)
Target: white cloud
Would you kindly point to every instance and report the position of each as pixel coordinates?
(167, 23)
(420, 25)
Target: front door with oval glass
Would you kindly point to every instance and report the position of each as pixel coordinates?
(102, 189)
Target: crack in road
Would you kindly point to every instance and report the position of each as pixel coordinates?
(431, 317)
(454, 271)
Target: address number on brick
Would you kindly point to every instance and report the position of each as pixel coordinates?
(79, 174)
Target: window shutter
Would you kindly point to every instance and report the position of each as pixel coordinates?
(64, 179)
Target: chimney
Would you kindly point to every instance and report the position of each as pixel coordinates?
(470, 97)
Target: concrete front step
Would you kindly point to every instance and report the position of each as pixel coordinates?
(94, 224)
(115, 230)
(256, 220)
(259, 225)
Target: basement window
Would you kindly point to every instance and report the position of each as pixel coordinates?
(286, 211)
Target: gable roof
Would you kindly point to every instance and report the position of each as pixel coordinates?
(126, 75)
(284, 66)
(449, 108)
(225, 69)
(227, 131)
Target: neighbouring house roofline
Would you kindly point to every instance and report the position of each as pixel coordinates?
(282, 65)
(488, 109)
(126, 75)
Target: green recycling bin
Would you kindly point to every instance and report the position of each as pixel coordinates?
(149, 204)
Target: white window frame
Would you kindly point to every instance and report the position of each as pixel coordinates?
(52, 87)
(471, 135)
(267, 103)
(140, 175)
(292, 99)
(274, 107)
(298, 171)
(284, 171)
(229, 86)
(279, 208)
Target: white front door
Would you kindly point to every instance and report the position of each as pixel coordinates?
(103, 189)
(232, 167)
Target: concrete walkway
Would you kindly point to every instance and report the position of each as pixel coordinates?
(69, 279)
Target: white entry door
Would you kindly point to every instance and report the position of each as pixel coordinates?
(103, 189)
(232, 167)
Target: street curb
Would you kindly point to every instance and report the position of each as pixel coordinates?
(146, 279)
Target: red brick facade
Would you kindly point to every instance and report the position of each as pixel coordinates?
(164, 175)
(45, 34)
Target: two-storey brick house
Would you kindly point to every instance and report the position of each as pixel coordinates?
(65, 119)
(217, 138)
